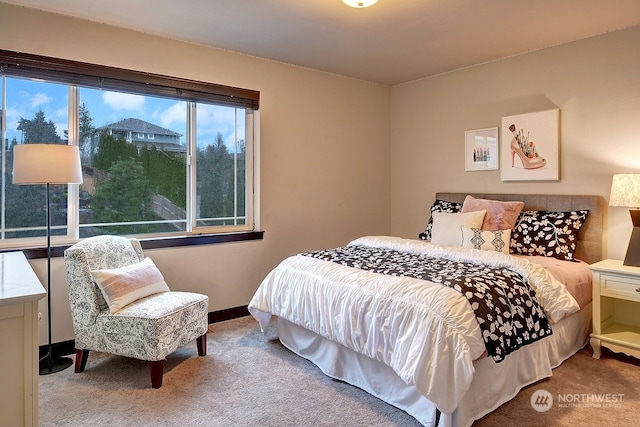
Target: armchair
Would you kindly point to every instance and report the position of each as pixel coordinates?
(149, 328)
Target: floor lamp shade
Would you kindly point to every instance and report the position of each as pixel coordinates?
(625, 191)
(47, 164)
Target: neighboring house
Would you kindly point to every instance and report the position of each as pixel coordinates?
(138, 132)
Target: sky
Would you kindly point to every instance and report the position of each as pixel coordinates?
(24, 98)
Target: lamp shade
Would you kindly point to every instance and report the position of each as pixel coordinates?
(359, 3)
(46, 163)
(625, 190)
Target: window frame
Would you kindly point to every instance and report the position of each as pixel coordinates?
(79, 74)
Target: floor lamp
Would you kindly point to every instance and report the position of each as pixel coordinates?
(47, 164)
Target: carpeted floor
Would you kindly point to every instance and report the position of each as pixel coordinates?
(250, 379)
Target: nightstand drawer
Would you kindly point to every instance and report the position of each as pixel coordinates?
(620, 286)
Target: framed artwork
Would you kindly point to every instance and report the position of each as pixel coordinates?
(481, 149)
(531, 146)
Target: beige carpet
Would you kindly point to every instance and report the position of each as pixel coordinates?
(250, 379)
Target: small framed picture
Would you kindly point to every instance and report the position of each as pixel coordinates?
(481, 150)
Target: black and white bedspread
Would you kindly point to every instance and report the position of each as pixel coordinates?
(364, 297)
(503, 302)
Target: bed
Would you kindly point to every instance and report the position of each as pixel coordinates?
(405, 338)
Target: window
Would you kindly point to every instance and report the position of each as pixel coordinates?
(160, 156)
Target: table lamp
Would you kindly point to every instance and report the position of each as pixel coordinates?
(625, 191)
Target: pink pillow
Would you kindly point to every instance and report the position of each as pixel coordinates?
(499, 216)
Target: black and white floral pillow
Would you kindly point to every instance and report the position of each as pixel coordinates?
(439, 206)
(551, 234)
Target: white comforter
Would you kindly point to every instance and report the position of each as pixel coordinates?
(426, 332)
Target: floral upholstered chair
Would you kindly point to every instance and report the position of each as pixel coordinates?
(121, 305)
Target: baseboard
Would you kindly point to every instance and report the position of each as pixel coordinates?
(64, 348)
(228, 314)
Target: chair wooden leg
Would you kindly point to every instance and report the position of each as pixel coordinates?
(202, 345)
(81, 360)
(156, 368)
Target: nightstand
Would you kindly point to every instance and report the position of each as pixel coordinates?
(616, 308)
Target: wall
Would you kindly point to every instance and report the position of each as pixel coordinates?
(324, 153)
(594, 82)
(325, 171)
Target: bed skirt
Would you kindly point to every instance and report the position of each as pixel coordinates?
(493, 383)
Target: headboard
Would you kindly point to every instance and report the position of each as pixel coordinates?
(589, 245)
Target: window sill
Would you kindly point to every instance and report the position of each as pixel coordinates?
(156, 243)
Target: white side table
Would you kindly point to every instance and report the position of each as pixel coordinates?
(616, 304)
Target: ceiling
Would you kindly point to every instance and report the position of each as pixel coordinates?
(391, 42)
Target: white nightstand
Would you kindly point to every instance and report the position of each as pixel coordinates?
(616, 308)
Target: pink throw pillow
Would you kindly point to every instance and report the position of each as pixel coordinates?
(500, 215)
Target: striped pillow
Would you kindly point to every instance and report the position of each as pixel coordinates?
(122, 286)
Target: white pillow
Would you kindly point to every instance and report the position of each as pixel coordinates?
(497, 240)
(122, 286)
(446, 229)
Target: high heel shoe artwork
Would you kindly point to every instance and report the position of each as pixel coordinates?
(525, 150)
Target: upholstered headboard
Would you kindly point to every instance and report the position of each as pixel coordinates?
(589, 245)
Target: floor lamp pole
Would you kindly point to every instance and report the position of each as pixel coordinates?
(48, 363)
